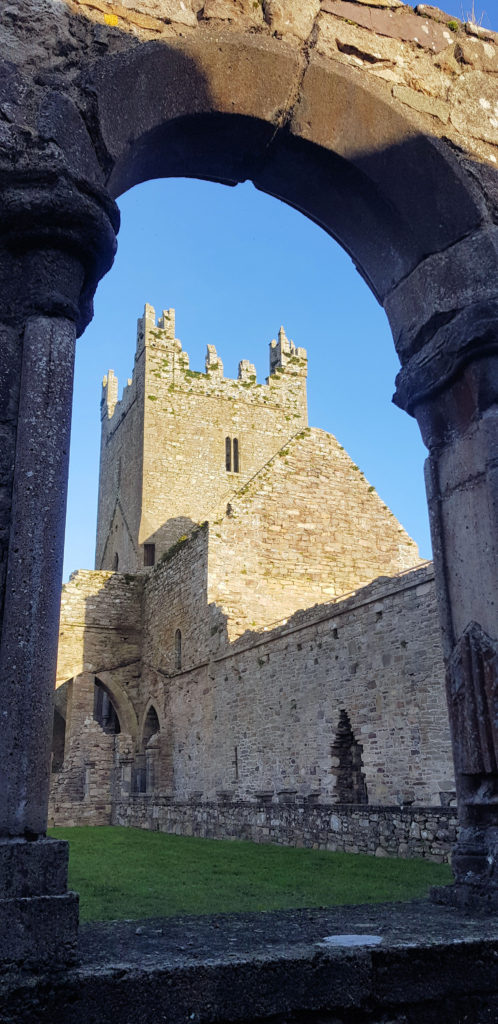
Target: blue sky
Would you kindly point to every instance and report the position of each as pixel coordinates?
(236, 264)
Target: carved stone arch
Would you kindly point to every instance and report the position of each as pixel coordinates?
(124, 707)
(346, 154)
(144, 733)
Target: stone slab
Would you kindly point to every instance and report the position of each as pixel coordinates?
(38, 931)
(400, 25)
(33, 868)
(433, 965)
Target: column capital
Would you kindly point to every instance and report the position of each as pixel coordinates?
(460, 358)
(61, 235)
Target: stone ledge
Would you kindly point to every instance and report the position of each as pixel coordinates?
(431, 965)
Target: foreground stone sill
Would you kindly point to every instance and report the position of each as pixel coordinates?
(252, 966)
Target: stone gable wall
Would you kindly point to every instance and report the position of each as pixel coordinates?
(175, 597)
(306, 529)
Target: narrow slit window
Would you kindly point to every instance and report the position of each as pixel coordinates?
(236, 455)
(149, 554)
(228, 454)
(178, 649)
(115, 563)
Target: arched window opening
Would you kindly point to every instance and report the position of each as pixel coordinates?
(350, 787)
(232, 455)
(115, 562)
(149, 771)
(151, 726)
(104, 711)
(178, 649)
(58, 741)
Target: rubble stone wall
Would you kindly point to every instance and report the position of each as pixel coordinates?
(261, 715)
(381, 831)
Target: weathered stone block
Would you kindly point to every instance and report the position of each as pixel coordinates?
(291, 17)
(39, 930)
(36, 868)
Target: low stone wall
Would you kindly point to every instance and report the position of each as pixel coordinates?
(428, 832)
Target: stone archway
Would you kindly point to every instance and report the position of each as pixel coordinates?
(314, 109)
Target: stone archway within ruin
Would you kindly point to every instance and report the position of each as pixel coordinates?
(319, 106)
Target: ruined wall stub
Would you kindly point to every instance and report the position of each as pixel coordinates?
(280, 96)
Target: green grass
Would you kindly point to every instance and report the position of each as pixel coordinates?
(130, 873)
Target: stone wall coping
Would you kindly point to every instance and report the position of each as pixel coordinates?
(346, 809)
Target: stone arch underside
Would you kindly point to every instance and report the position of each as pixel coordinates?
(325, 139)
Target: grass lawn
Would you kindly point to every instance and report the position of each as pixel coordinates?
(127, 872)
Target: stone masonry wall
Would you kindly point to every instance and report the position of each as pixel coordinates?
(435, 68)
(100, 629)
(175, 597)
(383, 831)
(121, 472)
(261, 715)
(306, 529)
(163, 445)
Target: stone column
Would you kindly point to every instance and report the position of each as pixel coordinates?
(60, 242)
(451, 385)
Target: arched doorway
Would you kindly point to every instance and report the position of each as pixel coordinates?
(339, 147)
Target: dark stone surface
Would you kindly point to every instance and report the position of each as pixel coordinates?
(432, 965)
(38, 932)
(34, 574)
(33, 868)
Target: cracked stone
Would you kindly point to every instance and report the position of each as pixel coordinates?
(291, 17)
(474, 106)
(247, 11)
(425, 104)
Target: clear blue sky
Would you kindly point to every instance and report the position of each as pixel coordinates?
(236, 264)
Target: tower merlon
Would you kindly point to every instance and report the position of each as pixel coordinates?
(247, 372)
(166, 323)
(284, 354)
(213, 362)
(109, 394)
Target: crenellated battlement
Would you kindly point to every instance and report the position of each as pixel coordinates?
(287, 361)
(284, 355)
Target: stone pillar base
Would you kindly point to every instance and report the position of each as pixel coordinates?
(38, 917)
(470, 898)
(38, 931)
(475, 867)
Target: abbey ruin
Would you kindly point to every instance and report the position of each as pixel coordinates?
(257, 629)
(378, 122)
